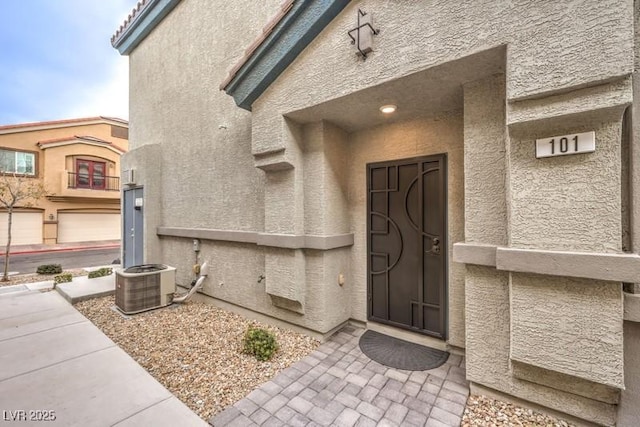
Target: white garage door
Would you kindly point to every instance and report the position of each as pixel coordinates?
(26, 228)
(88, 227)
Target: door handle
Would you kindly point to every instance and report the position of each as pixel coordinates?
(435, 246)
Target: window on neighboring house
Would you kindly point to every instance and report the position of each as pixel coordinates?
(90, 174)
(19, 162)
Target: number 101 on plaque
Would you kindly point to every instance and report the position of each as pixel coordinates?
(566, 144)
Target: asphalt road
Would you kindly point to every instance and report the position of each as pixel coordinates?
(28, 263)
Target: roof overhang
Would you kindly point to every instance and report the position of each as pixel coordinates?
(57, 124)
(80, 140)
(303, 21)
(143, 19)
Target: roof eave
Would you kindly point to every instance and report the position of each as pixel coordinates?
(154, 11)
(61, 142)
(299, 27)
(55, 124)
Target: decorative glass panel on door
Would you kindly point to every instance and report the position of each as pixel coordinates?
(83, 176)
(98, 176)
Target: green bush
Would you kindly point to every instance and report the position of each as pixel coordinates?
(49, 269)
(62, 278)
(105, 271)
(260, 343)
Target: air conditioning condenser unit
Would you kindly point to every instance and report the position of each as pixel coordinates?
(145, 287)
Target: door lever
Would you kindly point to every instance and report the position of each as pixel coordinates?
(435, 247)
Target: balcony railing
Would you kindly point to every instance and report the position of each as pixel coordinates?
(93, 182)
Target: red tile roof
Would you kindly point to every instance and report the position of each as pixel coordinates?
(62, 122)
(134, 12)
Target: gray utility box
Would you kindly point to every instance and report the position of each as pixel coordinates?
(144, 287)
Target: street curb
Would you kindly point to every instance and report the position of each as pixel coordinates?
(78, 248)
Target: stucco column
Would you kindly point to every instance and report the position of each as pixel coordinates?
(528, 335)
(305, 204)
(285, 278)
(146, 162)
(486, 222)
(327, 214)
(629, 411)
(634, 173)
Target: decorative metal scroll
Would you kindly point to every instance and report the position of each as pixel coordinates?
(363, 46)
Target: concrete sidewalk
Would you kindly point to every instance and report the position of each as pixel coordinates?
(55, 363)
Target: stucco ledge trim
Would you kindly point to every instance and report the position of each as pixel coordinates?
(598, 266)
(474, 253)
(305, 241)
(287, 241)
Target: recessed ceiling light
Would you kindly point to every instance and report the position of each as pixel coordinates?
(388, 109)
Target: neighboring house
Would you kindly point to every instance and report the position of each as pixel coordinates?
(78, 161)
(445, 219)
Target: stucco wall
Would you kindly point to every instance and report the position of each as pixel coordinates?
(629, 413)
(60, 160)
(571, 328)
(208, 150)
(203, 175)
(544, 55)
(413, 138)
(567, 202)
(53, 163)
(54, 159)
(175, 102)
(145, 160)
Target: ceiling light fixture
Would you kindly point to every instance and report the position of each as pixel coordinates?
(388, 109)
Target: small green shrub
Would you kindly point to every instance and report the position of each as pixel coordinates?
(260, 343)
(62, 278)
(49, 269)
(105, 271)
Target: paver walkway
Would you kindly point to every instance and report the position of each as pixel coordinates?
(338, 385)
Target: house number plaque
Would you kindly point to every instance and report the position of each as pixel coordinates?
(564, 145)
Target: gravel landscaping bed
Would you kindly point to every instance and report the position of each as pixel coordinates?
(19, 279)
(484, 411)
(194, 350)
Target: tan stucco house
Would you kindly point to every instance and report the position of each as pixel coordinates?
(495, 213)
(78, 161)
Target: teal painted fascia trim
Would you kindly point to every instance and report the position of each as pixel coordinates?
(305, 20)
(149, 17)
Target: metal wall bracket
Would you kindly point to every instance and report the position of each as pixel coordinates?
(364, 41)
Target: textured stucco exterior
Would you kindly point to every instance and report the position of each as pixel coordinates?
(57, 148)
(278, 195)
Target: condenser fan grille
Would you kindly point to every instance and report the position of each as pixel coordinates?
(140, 293)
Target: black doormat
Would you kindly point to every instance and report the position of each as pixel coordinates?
(400, 354)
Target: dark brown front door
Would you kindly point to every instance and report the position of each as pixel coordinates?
(406, 243)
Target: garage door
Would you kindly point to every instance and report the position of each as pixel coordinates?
(88, 227)
(26, 228)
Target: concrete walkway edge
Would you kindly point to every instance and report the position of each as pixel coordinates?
(56, 361)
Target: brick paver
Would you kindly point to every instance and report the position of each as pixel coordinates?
(337, 385)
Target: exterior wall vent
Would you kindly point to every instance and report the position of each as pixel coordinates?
(145, 287)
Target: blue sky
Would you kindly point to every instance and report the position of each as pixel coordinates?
(56, 60)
